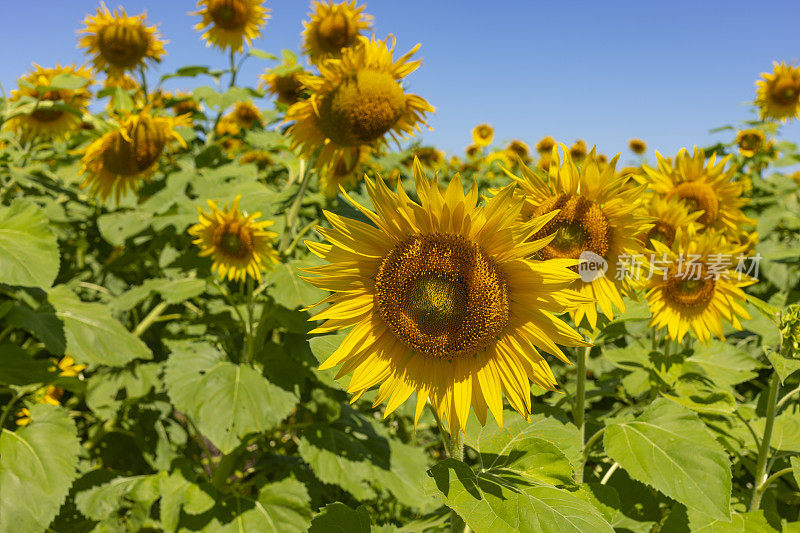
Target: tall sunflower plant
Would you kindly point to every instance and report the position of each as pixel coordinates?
(268, 305)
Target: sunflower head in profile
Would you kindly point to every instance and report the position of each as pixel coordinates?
(57, 112)
(482, 135)
(442, 300)
(284, 81)
(578, 151)
(120, 43)
(702, 186)
(229, 23)
(593, 213)
(123, 158)
(750, 141)
(521, 150)
(332, 28)
(545, 145)
(356, 101)
(670, 215)
(247, 115)
(637, 146)
(695, 285)
(778, 94)
(238, 244)
(344, 172)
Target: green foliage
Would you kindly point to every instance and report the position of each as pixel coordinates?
(28, 250)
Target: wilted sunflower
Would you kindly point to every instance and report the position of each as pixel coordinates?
(670, 215)
(778, 94)
(697, 285)
(284, 81)
(356, 101)
(593, 210)
(238, 244)
(702, 187)
(443, 300)
(482, 135)
(520, 149)
(750, 141)
(120, 43)
(246, 115)
(61, 113)
(637, 146)
(230, 23)
(123, 158)
(578, 151)
(545, 145)
(332, 28)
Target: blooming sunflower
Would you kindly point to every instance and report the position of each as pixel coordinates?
(637, 146)
(702, 186)
(121, 159)
(120, 43)
(284, 81)
(670, 215)
(48, 122)
(229, 23)
(238, 244)
(778, 94)
(750, 141)
(592, 210)
(344, 172)
(442, 300)
(246, 115)
(695, 285)
(472, 151)
(356, 101)
(545, 145)
(332, 28)
(482, 135)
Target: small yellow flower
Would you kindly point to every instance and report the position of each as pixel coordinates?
(229, 23)
(67, 367)
(750, 141)
(238, 244)
(637, 146)
(24, 417)
(332, 28)
(482, 135)
(778, 94)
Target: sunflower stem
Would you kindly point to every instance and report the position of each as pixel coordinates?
(761, 478)
(151, 317)
(578, 411)
(234, 70)
(144, 84)
(456, 451)
(249, 340)
(294, 209)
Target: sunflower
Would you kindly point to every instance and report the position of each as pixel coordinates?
(231, 22)
(702, 186)
(482, 135)
(120, 43)
(344, 172)
(261, 158)
(428, 156)
(670, 215)
(520, 149)
(61, 113)
(284, 81)
(183, 103)
(778, 94)
(238, 244)
(750, 141)
(472, 151)
(578, 151)
(125, 157)
(637, 146)
(332, 28)
(442, 300)
(67, 367)
(594, 214)
(246, 115)
(544, 161)
(356, 101)
(695, 285)
(545, 145)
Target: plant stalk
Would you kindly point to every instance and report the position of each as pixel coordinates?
(294, 209)
(151, 317)
(456, 451)
(761, 478)
(578, 411)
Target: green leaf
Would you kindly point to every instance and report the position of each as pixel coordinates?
(226, 401)
(683, 520)
(669, 448)
(723, 364)
(289, 290)
(117, 227)
(702, 398)
(28, 248)
(102, 501)
(93, 336)
(177, 493)
(493, 502)
(42, 324)
(255, 52)
(795, 462)
(339, 518)
(785, 431)
(67, 81)
(281, 507)
(37, 469)
(784, 366)
(18, 367)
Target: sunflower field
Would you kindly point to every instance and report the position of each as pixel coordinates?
(262, 305)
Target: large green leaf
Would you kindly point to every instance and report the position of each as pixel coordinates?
(225, 400)
(785, 432)
(669, 448)
(339, 518)
(42, 324)
(289, 290)
(178, 494)
(795, 462)
(28, 247)
(135, 495)
(37, 469)
(784, 366)
(495, 501)
(93, 336)
(18, 367)
(682, 520)
(722, 363)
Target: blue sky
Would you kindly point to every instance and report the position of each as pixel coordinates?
(602, 71)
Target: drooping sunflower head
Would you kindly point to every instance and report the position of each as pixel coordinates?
(778, 93)
(545, 145)
(238, 243)
(229, 23)
(57, 112)
(120, 43)
(285, 81)
(578, 151)
(637, 146)
(595, 214)
(356, 101)
(702, 186)
(442, 300)
(123, 158)
(482, 135)
(750, 141)
(520, 149)
(332, 28)
(695, 285)
(246, 115)
(670, 215)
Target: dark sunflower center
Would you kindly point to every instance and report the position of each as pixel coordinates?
(690, 290)
(233, 240)
(47, 115)
(128, 158)
(579, 226)
(786, 92)
(751, 141)
(362, 108)
(229, 14)
(123, 46)
(335, 32)
(661, 232)
(699, 196)
(289, 89)
(441, 296)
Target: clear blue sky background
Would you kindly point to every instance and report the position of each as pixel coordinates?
(601, 71)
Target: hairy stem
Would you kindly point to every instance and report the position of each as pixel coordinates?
(760, 483)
